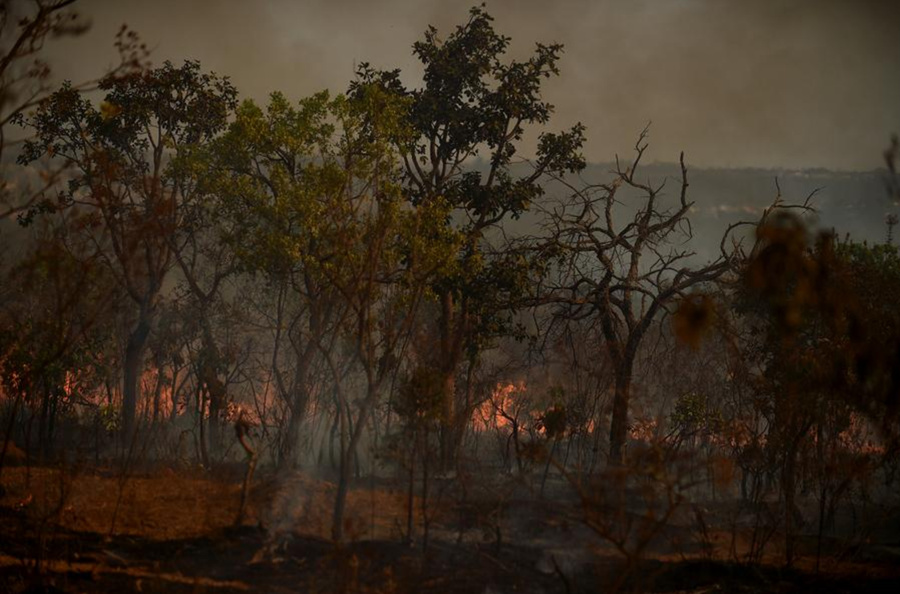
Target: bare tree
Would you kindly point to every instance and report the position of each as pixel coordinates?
(619, 262)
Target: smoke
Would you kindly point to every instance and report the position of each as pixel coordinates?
(800, 83)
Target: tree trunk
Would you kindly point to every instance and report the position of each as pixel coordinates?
(516, 446)
(241, 433)
(448, 381)
(547, 466)
(618, 430)
(201, 419)
(789, 486)
(334, 430)
(7, 438)
(43, 423)
(411, 500)
(292, 436)
(214, 424)
(157, 393)
(340, 498)
(173, 413)
(448, 414)
(425, 522)
(134, 360)
(348, 461)
(299, 402)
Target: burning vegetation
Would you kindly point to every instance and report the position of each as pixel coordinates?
(308, 346)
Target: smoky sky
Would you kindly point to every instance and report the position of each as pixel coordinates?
(733, 83)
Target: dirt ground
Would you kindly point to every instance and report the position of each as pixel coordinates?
(170, 504)
(174, 531)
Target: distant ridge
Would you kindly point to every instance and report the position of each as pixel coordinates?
(849, 202)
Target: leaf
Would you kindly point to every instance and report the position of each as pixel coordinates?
(109, 110)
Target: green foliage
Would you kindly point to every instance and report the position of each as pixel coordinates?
(824, 347)
(270, 174)
(109, 418)
(127, 183)
(126, 190)
(691, 414)
(474, 104)
(305, 187)
(149, 113)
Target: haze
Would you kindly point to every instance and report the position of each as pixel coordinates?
(793, 84)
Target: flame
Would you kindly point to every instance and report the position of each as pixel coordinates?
(860, 437)
(644, 429)
(503, 403)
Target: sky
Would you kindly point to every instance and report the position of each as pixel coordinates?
(733, 83)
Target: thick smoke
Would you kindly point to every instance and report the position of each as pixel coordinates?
(801, 83)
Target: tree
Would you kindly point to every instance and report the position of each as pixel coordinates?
(615, 259)
(120, 154)
(284, 194)
(25, 28)
(826, 343)
(473, 105)
(206, 259)
(53, 331)
(384, 257)
(314, 206)
(418, 404)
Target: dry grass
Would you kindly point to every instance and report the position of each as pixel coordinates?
(177, 504)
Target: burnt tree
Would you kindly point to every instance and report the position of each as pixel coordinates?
(616, 251)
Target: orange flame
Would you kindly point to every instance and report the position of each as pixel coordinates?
(494, 412)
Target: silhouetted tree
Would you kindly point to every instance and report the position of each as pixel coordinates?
(615, 248)
(25, 77)
(474, 105)
(120, 155)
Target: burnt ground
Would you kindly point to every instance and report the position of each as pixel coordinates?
(69, 550)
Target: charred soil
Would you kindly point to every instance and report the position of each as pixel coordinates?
(173, 531)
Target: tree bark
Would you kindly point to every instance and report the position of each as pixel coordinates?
(340, 499)
(134, 363)
(410, 499)
(448, 378)
(789, 486)
(618, 429)
(348, 460)
(299, 402)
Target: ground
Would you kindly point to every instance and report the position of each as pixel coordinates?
(174, 531)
